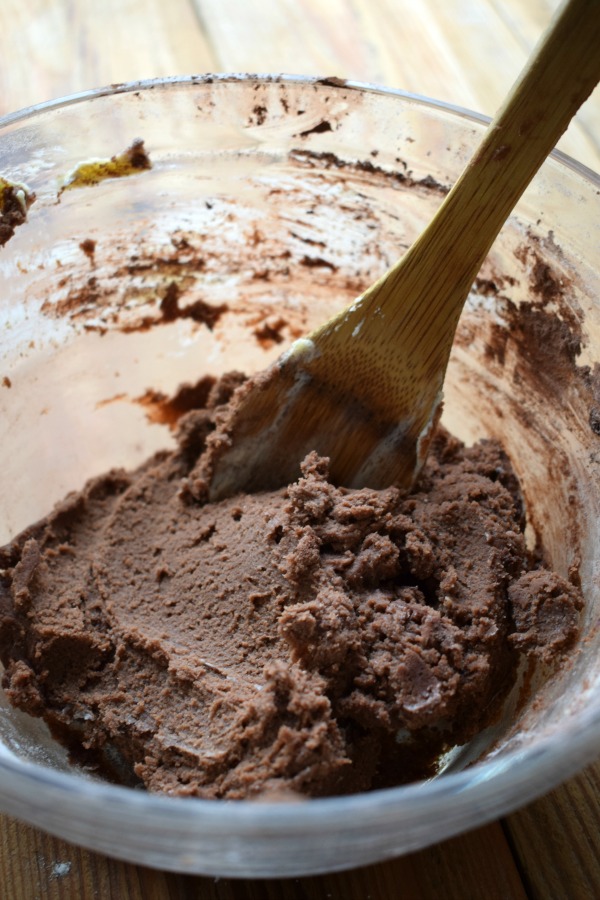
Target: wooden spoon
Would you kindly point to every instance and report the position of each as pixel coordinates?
(365, 389)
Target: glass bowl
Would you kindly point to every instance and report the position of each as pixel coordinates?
(275, 201)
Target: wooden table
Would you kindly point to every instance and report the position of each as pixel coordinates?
(463, 51)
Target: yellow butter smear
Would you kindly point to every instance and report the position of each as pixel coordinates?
(93, 171)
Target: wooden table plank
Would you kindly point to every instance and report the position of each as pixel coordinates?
(557, 840)
(469, 867)
(49, 49)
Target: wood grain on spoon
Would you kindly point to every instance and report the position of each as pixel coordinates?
(365, 388)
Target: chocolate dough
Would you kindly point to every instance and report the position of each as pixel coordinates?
(315, 640)
(15, 200)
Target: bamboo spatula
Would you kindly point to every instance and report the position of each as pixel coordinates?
(365, 388)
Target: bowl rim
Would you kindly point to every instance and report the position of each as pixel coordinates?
(494, 777)
(174, 81)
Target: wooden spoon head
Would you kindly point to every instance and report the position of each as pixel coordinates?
(365, 389)
(338, 393)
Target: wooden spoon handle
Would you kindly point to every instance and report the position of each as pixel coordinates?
(365, 389)
(389, 351)
(561, 74)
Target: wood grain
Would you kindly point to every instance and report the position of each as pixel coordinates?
(49, 49)
(470, 867)
(556, 840)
